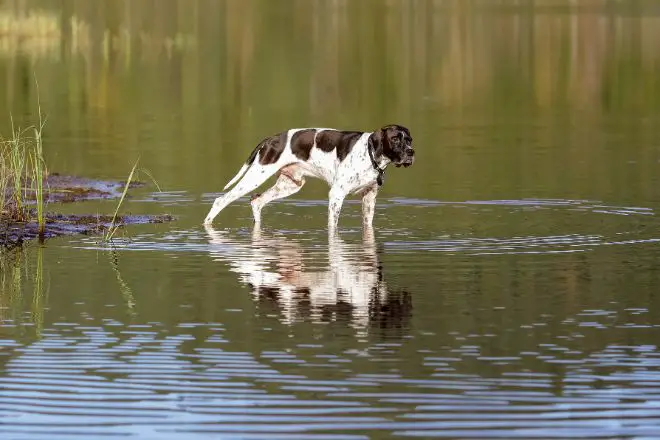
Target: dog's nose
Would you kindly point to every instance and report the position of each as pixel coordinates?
(410, 152)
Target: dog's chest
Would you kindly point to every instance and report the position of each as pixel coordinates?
(322, 165)
(356, 172)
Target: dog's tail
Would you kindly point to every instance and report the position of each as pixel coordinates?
(245, 166)
(237, 176)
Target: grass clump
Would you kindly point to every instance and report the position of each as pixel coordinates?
(16, 151)
(22, 173)
(24, 185)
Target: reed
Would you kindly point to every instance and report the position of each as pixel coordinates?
(23, 168)
(22, 164)
(4, 170)
(15, 147)
(38, 173)
(110, 232)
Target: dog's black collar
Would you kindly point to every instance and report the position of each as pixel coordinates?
(381, 171)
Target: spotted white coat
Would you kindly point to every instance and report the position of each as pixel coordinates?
(340, 158)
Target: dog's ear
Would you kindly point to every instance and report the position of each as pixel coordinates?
(376, 141)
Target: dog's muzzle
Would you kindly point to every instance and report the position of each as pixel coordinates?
(407, 159)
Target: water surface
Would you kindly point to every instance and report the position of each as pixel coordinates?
(508, 289)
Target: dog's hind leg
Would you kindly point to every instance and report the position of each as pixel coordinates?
(290, 181)
(255, 176)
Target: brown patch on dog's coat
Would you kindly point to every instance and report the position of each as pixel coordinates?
(340, 141)
(271, 149)
(302, 142)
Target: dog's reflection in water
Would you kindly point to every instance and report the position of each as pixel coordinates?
(340, 282)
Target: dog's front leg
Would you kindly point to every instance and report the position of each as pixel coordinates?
(369, 206)
(335, 200)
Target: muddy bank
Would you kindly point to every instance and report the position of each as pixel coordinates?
(69, 189)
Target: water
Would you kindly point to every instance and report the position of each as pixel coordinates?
(508, 290)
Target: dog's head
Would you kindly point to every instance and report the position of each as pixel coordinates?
(395, 143)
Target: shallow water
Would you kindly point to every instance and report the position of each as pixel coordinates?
(509, 287)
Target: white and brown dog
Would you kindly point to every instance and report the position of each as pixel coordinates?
(351, 162)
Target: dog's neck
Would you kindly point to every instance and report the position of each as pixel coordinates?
(379, 162)
(382, 161)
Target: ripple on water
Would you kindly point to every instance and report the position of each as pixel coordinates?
(162, 381)
(101, 381)
(104, 381)
(405, 240)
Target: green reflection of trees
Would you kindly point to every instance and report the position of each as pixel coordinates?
(219, 75)
(372, 52)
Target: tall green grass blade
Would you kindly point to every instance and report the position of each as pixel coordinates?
(17, 170)
(4, 179)
(39, 167)
(148, 173)
(113, 224)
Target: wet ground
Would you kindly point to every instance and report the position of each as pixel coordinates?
(69, 189)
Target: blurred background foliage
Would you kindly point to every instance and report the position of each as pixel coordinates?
(534, 86)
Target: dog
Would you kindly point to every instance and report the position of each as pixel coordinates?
(351, 162)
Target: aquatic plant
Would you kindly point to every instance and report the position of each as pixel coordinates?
(110, 232)
(38, 173)
(114, 225)
(24, 180)
(3, 181)
(22, 168)
(16, 170)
